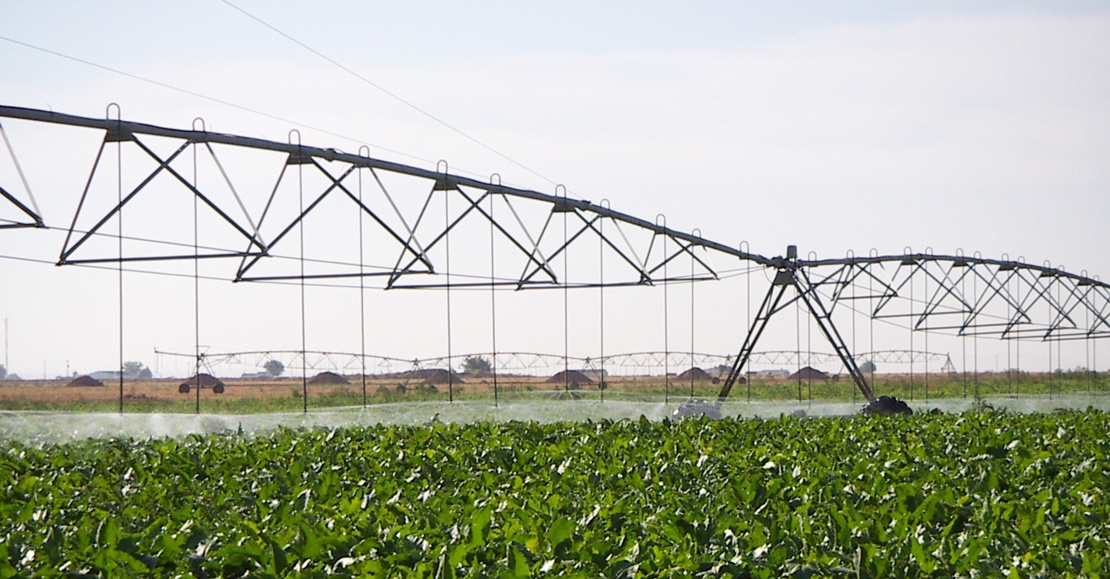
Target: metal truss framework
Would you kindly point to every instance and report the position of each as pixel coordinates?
(954, 294)
(536, 244)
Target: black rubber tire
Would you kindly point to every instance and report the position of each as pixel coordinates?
(887, 406)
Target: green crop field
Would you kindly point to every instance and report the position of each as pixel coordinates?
(288, 395)
(980, 494)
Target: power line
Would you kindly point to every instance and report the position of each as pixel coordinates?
(277, 117)
(207, 97)
(387, 92)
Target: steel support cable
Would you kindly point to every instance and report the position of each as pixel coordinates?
(303, 211)
(564, 247)
(235, 193)
(153, 241)
(36, 215)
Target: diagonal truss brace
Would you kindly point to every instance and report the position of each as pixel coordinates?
(790, 275)
(68, 250)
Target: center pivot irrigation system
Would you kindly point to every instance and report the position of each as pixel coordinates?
(406, 217)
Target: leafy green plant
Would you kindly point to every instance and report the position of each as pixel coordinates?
(984, 493)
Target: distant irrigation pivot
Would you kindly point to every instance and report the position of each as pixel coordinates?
(262, 203)
(540, 364)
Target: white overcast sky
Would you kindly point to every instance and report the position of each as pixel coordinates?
(978, 126)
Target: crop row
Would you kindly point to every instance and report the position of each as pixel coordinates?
(983, 493)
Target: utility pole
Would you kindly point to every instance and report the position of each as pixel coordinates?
(6, 365)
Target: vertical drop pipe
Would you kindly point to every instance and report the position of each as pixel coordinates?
(119, 239)
(362, 279)
(493, 295)
(447, 263)
(300, 231)
(196, 278)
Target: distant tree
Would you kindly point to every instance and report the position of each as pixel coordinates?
(867, 367)
(138, 369)
(3, 372)
(274, 367)
(476, 365)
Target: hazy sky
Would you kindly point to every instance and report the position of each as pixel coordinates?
(941, 125)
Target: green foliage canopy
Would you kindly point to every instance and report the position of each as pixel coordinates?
(983, 493)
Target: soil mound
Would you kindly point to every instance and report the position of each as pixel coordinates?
(84, 381)
(696, 374)
(438, 376)
(809, 373)
(887, 406)
(573, 377)
(328, 378)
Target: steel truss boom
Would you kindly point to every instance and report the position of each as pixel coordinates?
(957, 294)
(538, 247)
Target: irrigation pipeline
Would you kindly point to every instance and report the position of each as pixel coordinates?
(1009, 299)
